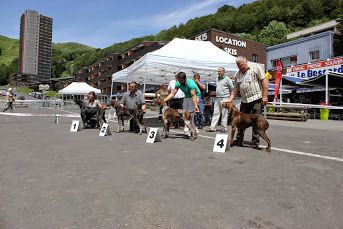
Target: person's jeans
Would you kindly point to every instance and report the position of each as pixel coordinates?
(9, 106)
(254, 107)
(199, 118)
(208, 113)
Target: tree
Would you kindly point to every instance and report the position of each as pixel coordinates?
(225, 9)
(274, 33)
(0, 51)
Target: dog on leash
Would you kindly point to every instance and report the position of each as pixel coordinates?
(170, 115)
(123, 113)
(243, 121)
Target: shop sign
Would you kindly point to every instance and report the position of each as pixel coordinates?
(316, 68)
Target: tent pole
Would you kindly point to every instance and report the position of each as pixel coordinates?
(111, 89)
(145, 77)
(280, 89)
(327, 88)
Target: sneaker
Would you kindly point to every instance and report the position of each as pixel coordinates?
(223, 130)
(197, 131)
(211, 130)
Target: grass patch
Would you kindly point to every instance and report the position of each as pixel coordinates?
(51, 94)
(24, 90)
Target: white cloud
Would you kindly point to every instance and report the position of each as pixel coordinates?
(121, 30)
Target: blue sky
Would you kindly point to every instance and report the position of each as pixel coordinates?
(104, 22)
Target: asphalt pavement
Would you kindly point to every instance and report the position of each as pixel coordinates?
(53, 178)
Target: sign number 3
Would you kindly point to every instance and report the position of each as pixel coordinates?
(152, 134)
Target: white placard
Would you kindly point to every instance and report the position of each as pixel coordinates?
(220, 143)
(153, 136)
(75, 126)
(105, 130)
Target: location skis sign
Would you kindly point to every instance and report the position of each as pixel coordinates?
(316, 68)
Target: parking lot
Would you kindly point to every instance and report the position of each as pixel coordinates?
(52, 178)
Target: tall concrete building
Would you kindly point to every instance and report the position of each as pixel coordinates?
(35, 46)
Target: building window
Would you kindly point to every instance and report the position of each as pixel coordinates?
(286, 61)
(254, 58)
(314, 55)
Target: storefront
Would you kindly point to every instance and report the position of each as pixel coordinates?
(235, 45)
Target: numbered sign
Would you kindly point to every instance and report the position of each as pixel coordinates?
(75, 126)
(220, 143)
(105, 130)
(153, 136)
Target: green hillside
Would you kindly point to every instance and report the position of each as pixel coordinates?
(265, 21)
(9, 49)
(72, 47)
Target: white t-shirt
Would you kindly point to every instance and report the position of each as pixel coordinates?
(179, 94)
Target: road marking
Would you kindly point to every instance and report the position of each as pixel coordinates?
(40, 115)
(309, 154)
(285, 150)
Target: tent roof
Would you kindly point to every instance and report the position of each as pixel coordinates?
(189, 56)
(335, 79)
(78, 88)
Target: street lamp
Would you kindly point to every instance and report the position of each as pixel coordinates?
(43, 88)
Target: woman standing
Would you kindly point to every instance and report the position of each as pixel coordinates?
(162, 93)
(9, 100)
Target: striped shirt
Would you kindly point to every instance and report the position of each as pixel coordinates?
(249, 83)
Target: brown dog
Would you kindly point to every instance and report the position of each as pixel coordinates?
(243, 121)
(170, 115)
(123, 113)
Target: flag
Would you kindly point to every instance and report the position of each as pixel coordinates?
(278, 76)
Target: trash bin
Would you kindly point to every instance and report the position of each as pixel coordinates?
(324, 114)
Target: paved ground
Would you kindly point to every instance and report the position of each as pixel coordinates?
(52, 178)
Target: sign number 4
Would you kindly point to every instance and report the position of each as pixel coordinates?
(220, 143)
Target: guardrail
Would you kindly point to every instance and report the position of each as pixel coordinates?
(300, 111)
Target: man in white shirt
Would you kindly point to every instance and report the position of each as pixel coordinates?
(177, 100)
(252, 84)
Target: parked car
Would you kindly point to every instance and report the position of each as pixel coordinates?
(21, 97)
(38, 95)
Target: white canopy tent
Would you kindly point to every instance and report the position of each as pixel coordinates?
(189, 56)
(78, 88)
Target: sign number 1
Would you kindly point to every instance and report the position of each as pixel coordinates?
(75, 126)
